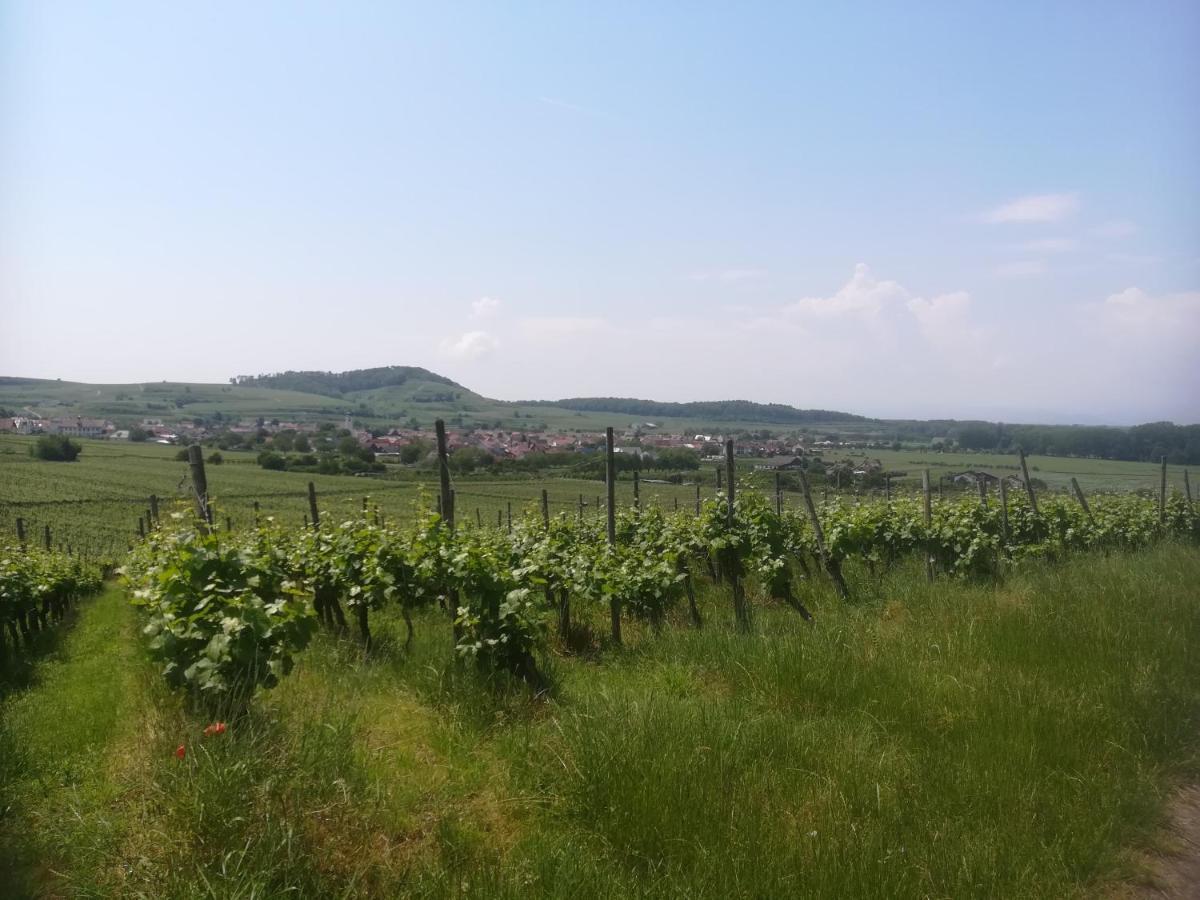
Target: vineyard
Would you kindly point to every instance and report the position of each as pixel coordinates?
(725, 694)
(227, 613)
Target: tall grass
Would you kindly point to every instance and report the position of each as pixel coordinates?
(946, 740)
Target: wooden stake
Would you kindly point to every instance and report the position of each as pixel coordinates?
(312, 505)
(199, 485)
(1004, 509)
(141, 529)
(580, 511)
(778, 496)
(830, 565)
(637, 495)
(154, 507)
(697, 497)
(255, 513)
(610, 478)
(1028, 484)
(1162, 494)
(478, 518)
(46, 536)
(740, 609)
(928, 524)
(509, 515)
(21, 532)
(1187, 489)
(1082, 500)
(446, 508)
(545, 508)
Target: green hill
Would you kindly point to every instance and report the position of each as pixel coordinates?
(380, 397)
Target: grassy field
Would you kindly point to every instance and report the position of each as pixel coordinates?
(953, 740)
(95, 502)
(1055, 471)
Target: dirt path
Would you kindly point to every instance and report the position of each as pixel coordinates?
(1175, 873)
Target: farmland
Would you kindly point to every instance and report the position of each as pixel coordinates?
(990, 722)
(96, 501)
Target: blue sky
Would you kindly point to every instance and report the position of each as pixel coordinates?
(896, 209)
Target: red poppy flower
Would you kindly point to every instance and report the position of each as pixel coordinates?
(180, 752)
(215, 728)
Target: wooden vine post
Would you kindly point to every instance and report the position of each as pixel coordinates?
(697, 497)
(1028, 484)
(141, 528)
(313, 512)
(610, 486)
(545, 508)
(741, 610)
(1004, 509)
(447, 505)
(778, 495)
(580, 513)
(982, 491)
(637, 494)
(509, 515)
(21, 532)
(199, 486)
(46, 535)
(1187, 489)
(831, 565)
(1082, 499)
(1162, 494)
(154, 508)
(928, 511)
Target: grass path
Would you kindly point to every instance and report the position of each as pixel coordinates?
(57, 736)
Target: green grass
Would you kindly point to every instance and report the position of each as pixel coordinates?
(956, 740)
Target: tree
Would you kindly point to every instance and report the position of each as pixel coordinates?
(55, 448)
(273, 461)
(215, 458)
(138, 434)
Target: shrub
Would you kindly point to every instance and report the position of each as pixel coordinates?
(55, 448)
(273, 461)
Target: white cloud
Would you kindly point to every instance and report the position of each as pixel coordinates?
(469, 346)
(484, 307)
(1166, 317)
(1020, 269)
(1034, 208)
(1116, 228)
(863, 295)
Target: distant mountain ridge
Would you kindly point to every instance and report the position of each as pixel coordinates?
(711, 410)
(335, 384)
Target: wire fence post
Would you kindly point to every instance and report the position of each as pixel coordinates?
(610, 487)
(445, 505)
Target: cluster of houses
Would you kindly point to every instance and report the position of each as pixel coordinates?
(72, 426)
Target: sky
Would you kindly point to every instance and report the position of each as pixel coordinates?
(971, 210)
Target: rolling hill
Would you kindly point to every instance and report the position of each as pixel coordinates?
(384, 397)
